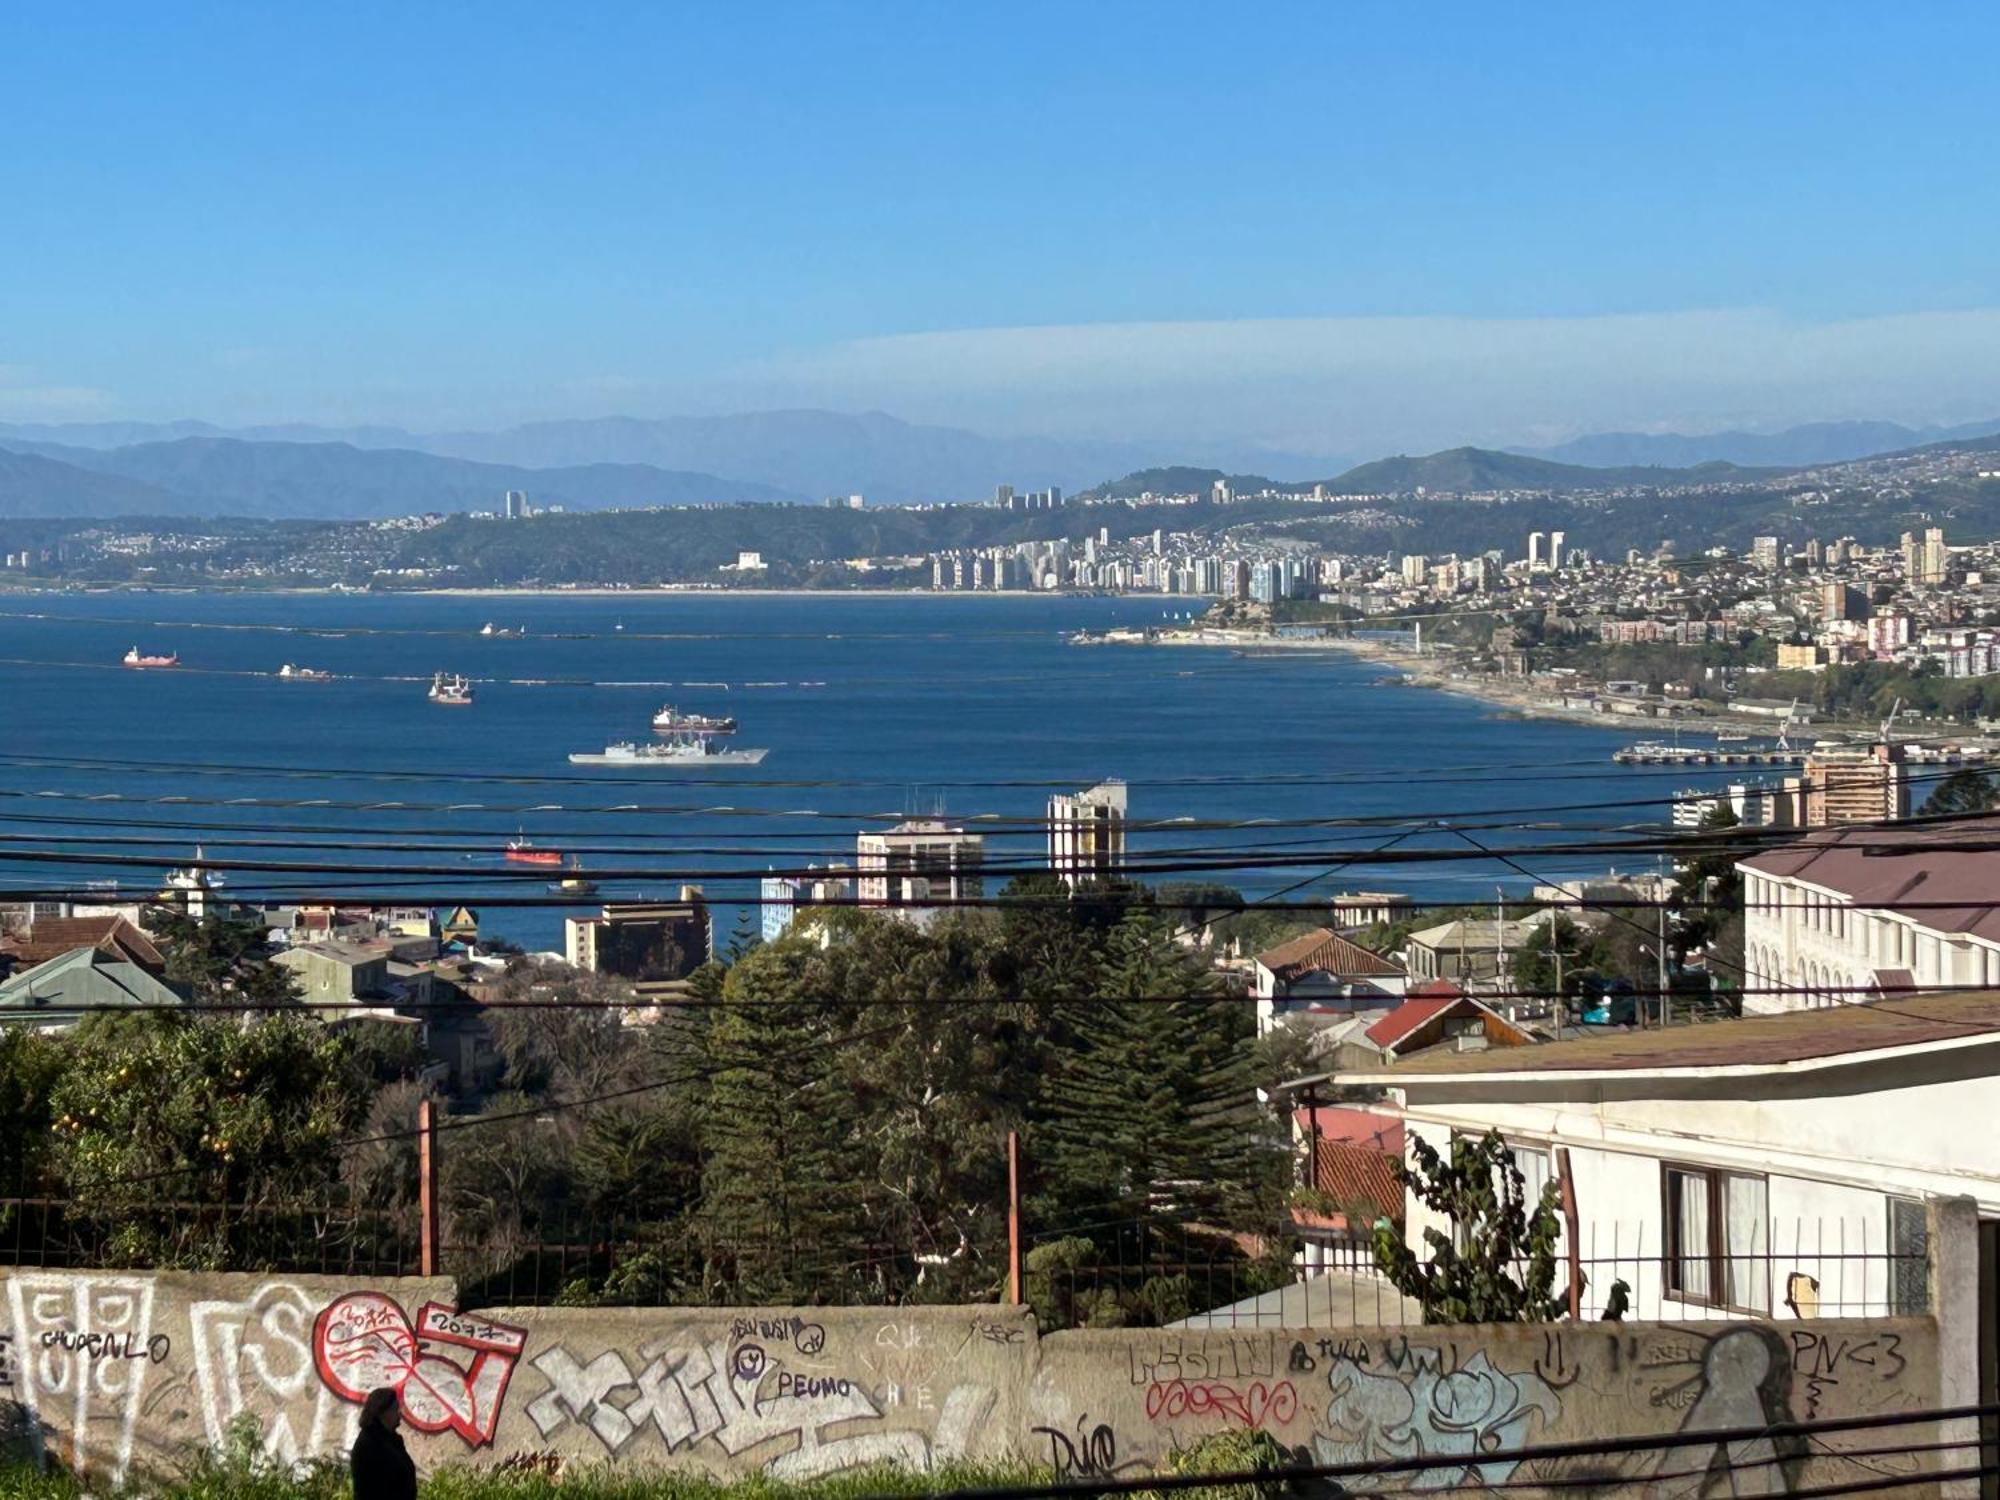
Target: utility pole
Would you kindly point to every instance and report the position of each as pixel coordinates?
(1660, 903)
(1014, 1217)
(427, 1195)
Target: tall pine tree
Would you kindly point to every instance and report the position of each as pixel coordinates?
(780, 1213)
(1149, 1115)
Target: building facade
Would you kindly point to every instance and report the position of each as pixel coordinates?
(1087, 833)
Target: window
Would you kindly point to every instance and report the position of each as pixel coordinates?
(1909, 1271)
(1717, 1241)
(1532, 1162)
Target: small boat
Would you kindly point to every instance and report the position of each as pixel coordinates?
(575, 883)
(449, 690)
(520, 852)
(133, 658)
(671, 720)
(499, 631)
(291, 673)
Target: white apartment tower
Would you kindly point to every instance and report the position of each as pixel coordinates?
(918, 861)
(1087, 833)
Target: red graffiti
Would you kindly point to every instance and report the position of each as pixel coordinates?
(364, 1340)
(1253, 1406)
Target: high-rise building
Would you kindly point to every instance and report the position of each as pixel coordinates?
(1087, 833)
(1764, 553)
(1855, 784)
(1003, 496)
(1536, 557)
(1220, 493)
(784, 896)
(515, 505)
(1555, 551)
(646, 941)
(919, 860)
(1925, 561)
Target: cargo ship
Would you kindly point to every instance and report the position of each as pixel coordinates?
(291, 673)
(689, 750)
(451, 691)
(670, 720)
(133, 658)
(520, 851)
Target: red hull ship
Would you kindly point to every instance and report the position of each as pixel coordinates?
(521, 852)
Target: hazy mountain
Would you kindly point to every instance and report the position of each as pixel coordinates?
(32, 485)
(1467, 469)
(1805, 446)
(817, 452)
(227, 476)
(811, 453)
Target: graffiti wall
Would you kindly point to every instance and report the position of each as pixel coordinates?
(1113, 1403)
(118, 1373)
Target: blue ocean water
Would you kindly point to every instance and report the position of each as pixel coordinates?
(899, 704)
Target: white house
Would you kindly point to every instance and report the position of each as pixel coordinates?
(1852, 912)
(1321, 973)
(1782, 1165)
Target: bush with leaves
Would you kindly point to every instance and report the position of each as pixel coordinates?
(1495, 1262)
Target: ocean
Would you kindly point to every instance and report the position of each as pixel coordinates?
(870, 706)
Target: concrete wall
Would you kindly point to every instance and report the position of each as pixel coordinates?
(120, 1373)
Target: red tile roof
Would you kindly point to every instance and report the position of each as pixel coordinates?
(1428, 988)
(1380, 1129)
(113, 936)
(1327, 950)
(1407, 1017)
(1362, 1181)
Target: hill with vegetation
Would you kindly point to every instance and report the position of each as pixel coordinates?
(1478, 470)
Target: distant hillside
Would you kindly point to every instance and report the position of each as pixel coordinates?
(1175, 479)
(1805, 446)
(226, 476)
(32, 485)
(1458, 470)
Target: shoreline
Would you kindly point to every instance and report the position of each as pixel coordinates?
(1511, 696)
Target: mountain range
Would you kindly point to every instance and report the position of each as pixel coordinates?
(192, 476)
(302, 471)
(1799, 447)
(807, 454)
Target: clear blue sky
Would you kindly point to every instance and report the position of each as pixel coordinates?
(479, 213)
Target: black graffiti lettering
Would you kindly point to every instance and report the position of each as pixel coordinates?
(810, 1387)
(1090, 1455)
(1301, 1362)
(108, 1345)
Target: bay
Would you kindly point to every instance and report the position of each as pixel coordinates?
(897, 704)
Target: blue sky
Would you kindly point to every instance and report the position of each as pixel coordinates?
(1336, 225)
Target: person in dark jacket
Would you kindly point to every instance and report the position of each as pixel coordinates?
(380, 1464)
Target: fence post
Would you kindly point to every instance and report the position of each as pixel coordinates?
(427, 1196)
(1014, 1217)
(1571, 1233)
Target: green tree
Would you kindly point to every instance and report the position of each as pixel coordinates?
(1149, 1113)
(242, 1120)
(781, 1202)
(1967, 790)
(1495, 1261)
(221, 959)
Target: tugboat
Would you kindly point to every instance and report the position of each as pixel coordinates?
(521, 852)
(575, 883)
(449, 690)
(670, 720)
(145, 663)
(291, 673)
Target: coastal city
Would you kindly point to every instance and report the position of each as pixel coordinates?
(959, 753)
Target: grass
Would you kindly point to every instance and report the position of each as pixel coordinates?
(211, 1479)
(235, 1473)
